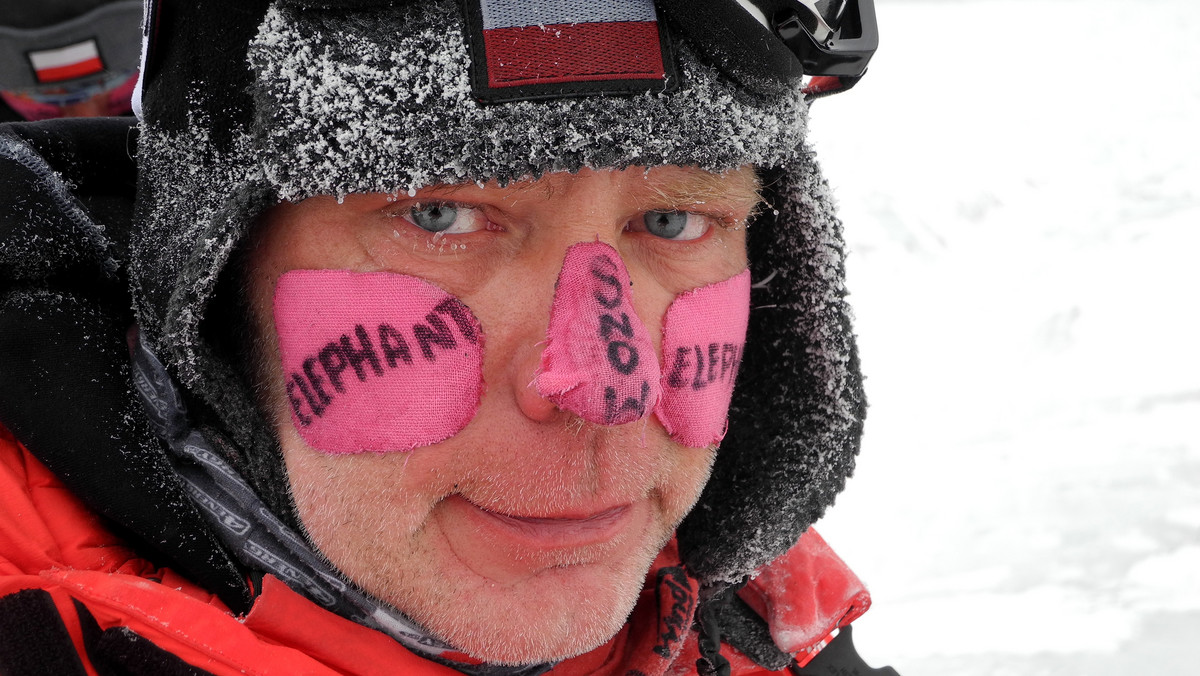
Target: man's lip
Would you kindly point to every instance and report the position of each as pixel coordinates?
(580, 529)
(597, 521)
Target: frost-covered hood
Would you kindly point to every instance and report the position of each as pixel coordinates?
(271, 102)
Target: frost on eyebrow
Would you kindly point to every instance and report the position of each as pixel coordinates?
(735, 196)
(376, 361)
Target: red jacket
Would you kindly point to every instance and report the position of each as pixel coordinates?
(49, 541)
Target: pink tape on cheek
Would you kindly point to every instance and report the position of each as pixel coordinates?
(376, 361)
(704, 335)
(599, 362)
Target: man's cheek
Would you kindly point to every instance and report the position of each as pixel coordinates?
(376, 361)
(704, 336)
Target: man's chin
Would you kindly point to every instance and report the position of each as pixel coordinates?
(553, 616)
(515, 590)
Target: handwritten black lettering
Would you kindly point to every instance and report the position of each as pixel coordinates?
(436, 333)
(698, 381)
(309, 368)
(614, 411)
(292, 383)
(703, 364)
(461, 316)
(673, 592)
(313, 404)
(609, 325)
(728, 355)
(365, 353)
(393, 345)
(618, 332)
(675, 378)
(356, 350)
(334, 361)
(712, 361)
(605, 270)
(622, 356)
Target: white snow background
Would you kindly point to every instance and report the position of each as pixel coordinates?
(1021, 190)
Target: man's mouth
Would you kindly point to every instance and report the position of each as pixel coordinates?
(599, 522)
(571, 531)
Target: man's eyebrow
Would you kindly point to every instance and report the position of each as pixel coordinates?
(738, 189)
(545, 189)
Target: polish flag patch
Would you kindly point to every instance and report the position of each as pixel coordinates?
(66, 63)
(532, 50)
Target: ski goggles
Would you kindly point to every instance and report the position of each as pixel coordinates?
(831, 38)
(766, 45)
(60, 63)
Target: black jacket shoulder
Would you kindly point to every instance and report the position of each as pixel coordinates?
(67, 191)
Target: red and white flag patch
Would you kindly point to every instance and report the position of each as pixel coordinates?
(66, 63)
(526, 49)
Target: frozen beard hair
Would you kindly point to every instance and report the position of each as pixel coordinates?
(382, 362)
(379, 100)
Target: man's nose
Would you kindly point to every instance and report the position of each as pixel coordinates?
(583, 351)
(598, 361)
(525, 365)
(549, 370)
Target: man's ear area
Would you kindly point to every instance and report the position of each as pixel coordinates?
(243, 354)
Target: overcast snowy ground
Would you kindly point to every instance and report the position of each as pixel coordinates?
(1021, 186)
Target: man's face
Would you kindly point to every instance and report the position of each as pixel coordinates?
(526, 536)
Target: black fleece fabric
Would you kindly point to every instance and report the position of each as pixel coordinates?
(33, 638)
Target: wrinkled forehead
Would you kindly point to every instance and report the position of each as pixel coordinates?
(350, 105)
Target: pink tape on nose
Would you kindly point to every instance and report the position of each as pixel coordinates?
(376, 361)
(704, 334)
(599, 362)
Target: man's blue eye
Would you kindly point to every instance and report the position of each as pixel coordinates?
(665, 224)
(434, 217)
